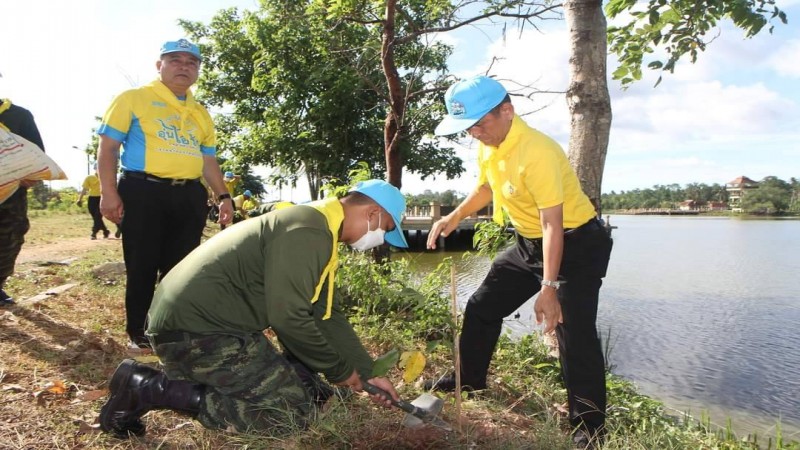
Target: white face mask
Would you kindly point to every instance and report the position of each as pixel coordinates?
(370, 239)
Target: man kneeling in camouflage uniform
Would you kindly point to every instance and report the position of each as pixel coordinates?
(208, 315)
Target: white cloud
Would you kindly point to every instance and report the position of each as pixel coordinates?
(786, 61)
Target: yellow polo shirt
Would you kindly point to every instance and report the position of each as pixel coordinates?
(527, 172)
(160, 134)
(91, 184)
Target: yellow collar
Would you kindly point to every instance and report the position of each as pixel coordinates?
(185, 109)
(332, 209)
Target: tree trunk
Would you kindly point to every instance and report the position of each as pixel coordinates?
(587, 96)
(392, 128)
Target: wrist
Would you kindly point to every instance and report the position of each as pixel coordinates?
(551, 284)
(224, 196)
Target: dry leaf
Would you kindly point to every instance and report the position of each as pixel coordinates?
(414, 363)
(56, 387)
(86, 428)
(145, 359)
(91, 396)
(13, 387)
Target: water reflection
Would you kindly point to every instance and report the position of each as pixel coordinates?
(703, 314)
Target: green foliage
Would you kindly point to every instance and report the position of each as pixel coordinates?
(42, 197)
(446, 198)
(382, 296)
(490, 238)
(772, 196)
(678, 28)
(308, 94)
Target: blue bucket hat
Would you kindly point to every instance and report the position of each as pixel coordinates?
(181, 45)
(229, 175)
(390, 199)
(247, 193)
(467, 101)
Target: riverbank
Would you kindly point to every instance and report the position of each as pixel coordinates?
(60, 352)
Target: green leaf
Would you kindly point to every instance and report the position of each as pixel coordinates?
(385, 362)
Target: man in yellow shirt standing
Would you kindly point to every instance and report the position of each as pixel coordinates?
(91, 188)
(561, 251)
(168, 143)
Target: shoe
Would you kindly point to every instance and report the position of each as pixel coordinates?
(118, 233)
(585, 440)
(447, 383)
(136, 389)
(122, 413)
(5, 299)
(139, 342)
(94, 237)
(106, 233)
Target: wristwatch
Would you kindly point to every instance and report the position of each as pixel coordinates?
(223, 196)
(553, 284)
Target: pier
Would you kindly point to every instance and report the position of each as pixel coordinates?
(419, 220)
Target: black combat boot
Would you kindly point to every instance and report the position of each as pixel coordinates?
(136, 389)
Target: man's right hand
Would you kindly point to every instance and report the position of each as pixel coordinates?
(442, 228)
(111, 206)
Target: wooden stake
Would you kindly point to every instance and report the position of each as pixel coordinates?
(454, 308)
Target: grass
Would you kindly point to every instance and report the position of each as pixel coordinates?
(58, 355)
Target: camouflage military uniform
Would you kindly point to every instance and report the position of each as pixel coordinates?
(248, 384)
(14, 211)
(13, 226)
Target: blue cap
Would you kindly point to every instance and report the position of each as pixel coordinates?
(468, 101)
(247, 193)
(181, 45)
(228, 174)
(390, 199)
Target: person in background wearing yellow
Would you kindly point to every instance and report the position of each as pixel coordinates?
(91, 189)
(243, 204)
(232, 182)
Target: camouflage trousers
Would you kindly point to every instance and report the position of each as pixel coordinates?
(249, 385)
(13, 226)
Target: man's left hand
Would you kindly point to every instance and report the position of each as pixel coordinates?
(225, 212)
(548, 309)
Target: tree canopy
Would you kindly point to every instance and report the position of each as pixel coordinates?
(302, 91)
(677, 28)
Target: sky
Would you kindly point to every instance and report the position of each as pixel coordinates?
(735, 112)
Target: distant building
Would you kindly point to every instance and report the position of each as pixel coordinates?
(717, 206)
(737, 189)
(687, 205)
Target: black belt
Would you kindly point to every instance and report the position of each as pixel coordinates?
(592, 225)
(155, 179)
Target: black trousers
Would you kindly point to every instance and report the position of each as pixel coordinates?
(97, 217)
(515, 277)
(161, 224)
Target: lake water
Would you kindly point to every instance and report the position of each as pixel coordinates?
(703, 314)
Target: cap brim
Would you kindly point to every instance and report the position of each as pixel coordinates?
(396, 237)
(450, 125)
(183, 51)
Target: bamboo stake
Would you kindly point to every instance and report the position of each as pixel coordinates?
(454, 307)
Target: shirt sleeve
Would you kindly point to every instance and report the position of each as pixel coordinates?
(294, 263)
(117, 119)
(30, 131)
